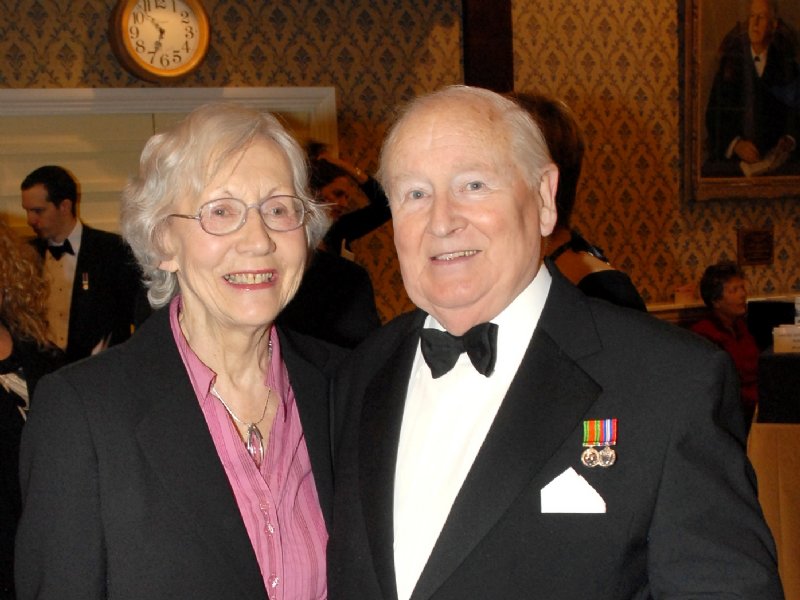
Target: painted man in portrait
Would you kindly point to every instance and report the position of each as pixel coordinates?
(752, 112)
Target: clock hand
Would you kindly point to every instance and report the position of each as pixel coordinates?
(161, 31)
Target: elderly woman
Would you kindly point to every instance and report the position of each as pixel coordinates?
(25, 355)
(193, 461)
(722, 288)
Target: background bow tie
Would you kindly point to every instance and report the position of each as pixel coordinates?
(441, 349)
(59, 251)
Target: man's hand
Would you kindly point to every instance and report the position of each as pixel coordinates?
(786, 144)
(747, 151)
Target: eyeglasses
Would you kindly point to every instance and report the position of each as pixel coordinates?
(226, 215)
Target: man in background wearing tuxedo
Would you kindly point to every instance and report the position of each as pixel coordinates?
(514, 438)
(94, 280)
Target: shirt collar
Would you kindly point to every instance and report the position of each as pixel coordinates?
(75, 237)
(517, 321)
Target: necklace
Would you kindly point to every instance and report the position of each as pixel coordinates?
(254, 441)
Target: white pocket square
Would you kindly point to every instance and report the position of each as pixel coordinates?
(571, 493)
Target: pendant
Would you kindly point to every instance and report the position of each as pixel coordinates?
(255, 444)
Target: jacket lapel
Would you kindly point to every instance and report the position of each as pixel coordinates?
(381, 420)
(311, 391)
(547, 398)
(176, 442)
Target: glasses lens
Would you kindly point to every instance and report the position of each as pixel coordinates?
(282, 213)
(222, 216)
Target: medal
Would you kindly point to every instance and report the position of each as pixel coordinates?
(590, 458)
(599, 432)
(607, 456)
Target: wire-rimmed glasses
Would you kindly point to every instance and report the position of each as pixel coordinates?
(226, 215)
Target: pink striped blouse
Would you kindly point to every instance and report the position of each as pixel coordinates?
(278, 503)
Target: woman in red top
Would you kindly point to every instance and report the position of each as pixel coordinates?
(723, 290)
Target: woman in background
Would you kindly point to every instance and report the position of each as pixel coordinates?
(193, 461)
(584, 264)
(25, 355)
(722, 288)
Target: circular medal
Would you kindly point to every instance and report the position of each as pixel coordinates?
(590, 458)
(607, 456)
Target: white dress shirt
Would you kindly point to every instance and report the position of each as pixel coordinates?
(60, 275)
(445, 422)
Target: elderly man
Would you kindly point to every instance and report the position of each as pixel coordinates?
(593, 452)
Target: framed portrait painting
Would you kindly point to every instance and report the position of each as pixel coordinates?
(741, 98)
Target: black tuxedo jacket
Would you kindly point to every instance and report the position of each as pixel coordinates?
(107, 281)
(682, 517)
(124, 494)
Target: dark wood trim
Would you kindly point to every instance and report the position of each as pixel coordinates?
(488, 44)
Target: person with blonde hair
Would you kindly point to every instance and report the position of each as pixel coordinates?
(25, 355)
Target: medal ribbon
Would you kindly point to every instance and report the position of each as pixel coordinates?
(600, 432)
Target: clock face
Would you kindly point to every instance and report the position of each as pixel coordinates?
(162, 39)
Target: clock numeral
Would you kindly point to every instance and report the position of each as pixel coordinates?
(149, 5)
(168, 61)
(185, 17)
(189, 32)
(140, 47)
(138, 17)
(133, 30)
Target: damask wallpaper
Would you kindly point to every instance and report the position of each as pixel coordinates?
(615, 63)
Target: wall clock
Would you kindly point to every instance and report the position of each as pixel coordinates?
(159, 40)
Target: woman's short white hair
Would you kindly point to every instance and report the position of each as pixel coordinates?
(182, 161)
(528, 146)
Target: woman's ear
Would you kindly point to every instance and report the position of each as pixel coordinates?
(166, 244)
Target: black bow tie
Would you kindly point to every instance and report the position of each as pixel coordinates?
(441, 349)
(59, 251)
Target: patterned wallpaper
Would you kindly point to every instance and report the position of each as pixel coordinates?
(615, 63)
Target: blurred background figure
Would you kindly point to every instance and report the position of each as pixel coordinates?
(341, 185)
(582, 263)
(93, 277)
(336, 299)
(25, 355)
(722, 288)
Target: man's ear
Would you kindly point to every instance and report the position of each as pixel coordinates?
(65, 208)
(548, 184)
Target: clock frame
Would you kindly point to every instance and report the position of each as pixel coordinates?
(160, 40)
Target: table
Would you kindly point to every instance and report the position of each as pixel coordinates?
(774, 450)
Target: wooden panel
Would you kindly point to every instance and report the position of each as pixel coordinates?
(488, 45)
